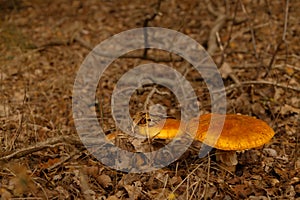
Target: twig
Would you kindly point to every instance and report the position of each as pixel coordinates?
(212, 42)
(220, 42)
(207, 180)
(155, 58)
(284, 66)
(51, 143)
(283, 40)
(149, 97)
(194, 188)
(18, 131)
(251, 30)
(219, 23)
(147, 102)
(140, 56)
(286, 14)
(192, 172)
(273, 59)
(231, 74)
(231, 87)
(246, 30)
(211, 9)
(147, 20)
(40, 186)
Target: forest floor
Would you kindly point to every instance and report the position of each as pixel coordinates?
(255, 45)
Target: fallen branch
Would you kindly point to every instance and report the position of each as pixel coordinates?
(51, 143)
(155, 58)
(147, 20)
(212, 41)
(222, 18)
(261, 82)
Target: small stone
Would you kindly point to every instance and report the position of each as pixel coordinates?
(270, 152)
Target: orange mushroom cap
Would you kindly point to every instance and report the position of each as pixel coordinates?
(239, 132)
(164, 129)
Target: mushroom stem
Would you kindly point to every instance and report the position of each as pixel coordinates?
(227, 158)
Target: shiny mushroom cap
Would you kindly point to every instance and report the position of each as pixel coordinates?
(239, 132)
(164, 129)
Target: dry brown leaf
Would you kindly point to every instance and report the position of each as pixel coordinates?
(258, 110)
(128, 179)
(4, 194)
(49, 163)
(133, 191)
(84, 185)
(279, 92)
(242, 103)
(22, 181)
(91, 171)
(241, 191)
(161, 193)
(4, 110)
(104, 180)
(225, 70)
(286, 109)
(112, 198)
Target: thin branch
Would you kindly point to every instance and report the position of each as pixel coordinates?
(147, 20)
(51, 143)
(284, 66)
(149, 96)
(270, 65)
(283, 40)
(251, 30)
(207, 178)
(212, 42)
(155, 58)
(286, 14)
(140, 56)
(192, 172)
(261, 82)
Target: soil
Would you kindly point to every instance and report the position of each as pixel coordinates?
(255, 45)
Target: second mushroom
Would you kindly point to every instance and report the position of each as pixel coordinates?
(239, 132)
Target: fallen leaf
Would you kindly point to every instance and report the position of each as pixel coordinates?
(4, 194)
(104, 180)
(225, 70)
(289, 109)
(50, 162)
(112, 198)
(22, 181)
(133, 191)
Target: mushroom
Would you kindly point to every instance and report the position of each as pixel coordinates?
(239, 132)
(164, 129)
